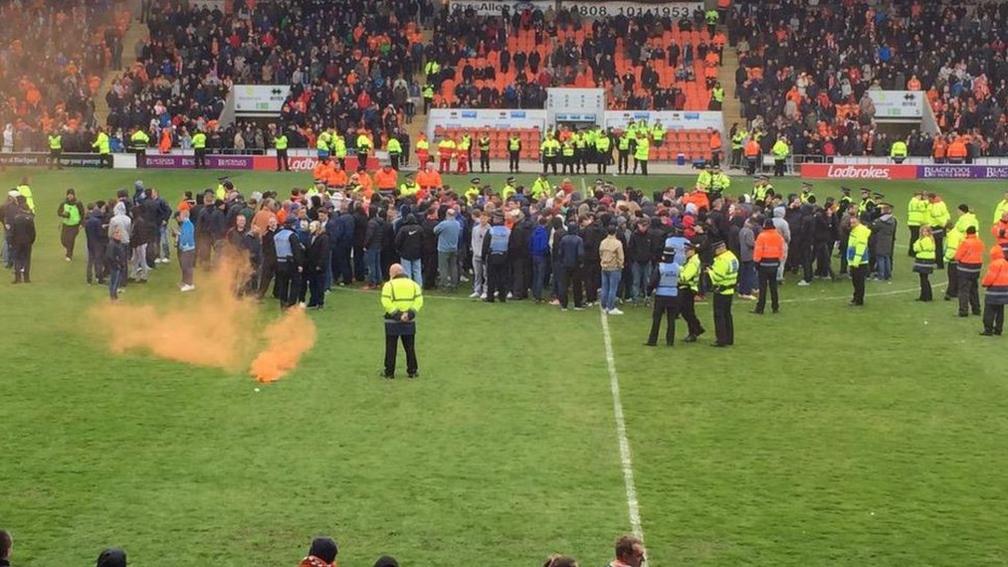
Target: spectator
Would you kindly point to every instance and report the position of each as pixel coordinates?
(629, 552)
(112, 557)
(6, 544)
(322, 553)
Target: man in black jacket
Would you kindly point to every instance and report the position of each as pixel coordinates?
(374, 236)
(571, 263)
(520, 258)
(591, 271)
(640, 251)
(22, 239)
(409, 242)
(96, 233)
(317, 259)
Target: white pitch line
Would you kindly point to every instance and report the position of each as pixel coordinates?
(624, 444)
(867, 295)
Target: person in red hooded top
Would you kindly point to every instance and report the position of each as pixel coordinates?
(995, 281)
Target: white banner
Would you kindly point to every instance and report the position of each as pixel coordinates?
(897, 104)
(484, 119)
(259, 99)
(609, 9)
(495, 7)
(670, 119)
(575, 105)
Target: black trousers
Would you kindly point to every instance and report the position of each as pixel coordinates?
(925, 287)
(668, 307)
(914, 235)
(484, 161)
(751, 163)
(823, 254)
(68, 237)
(939, 238)
(592, 274)
(969, 293)
(513, 161)
(266, 273)
(391, 348)
(952, 272)
(778, 168)
(394, 161)
(288, 283)
(724, 326)
(602, 163)
(568, 164)
(567, 278)
(54, 159)
(623, 165)
(520, 277)
(993, 318)
(496, 266)
(550, 162)
(768, 279)
(22, 262)
(687, 309)
(281, 159)
(858, 276)
(95, 263)
(199, 158)
(316, 284)
(141, 158)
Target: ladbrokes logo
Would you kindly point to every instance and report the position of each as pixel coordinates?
(303, 164)
(857, 172)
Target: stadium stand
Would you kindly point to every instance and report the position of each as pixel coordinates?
(804, 75)
(509, 61)
(54, 54)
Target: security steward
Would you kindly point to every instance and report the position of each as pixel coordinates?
(767, 253)
(995, 281)
(484, 151)
(549, 149)
(280, 143)
(199, 150)
(689, 287)
(401, 298)
(665, 285)
(514, 152)
(139, 141)
(55, 149)
(723, 274)
(102, 144)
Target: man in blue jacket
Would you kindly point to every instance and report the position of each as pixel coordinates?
(448, 232)
(341, 239)
(539, 250)
(571, 260)
(97, 239)
(495, 254)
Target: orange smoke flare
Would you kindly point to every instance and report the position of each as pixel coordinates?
(289, 337)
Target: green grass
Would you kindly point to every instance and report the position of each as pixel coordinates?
(826, 436)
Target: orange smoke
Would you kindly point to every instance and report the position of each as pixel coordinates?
(289, 337)
(209, 327)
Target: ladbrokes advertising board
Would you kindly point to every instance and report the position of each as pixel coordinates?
(886, 172)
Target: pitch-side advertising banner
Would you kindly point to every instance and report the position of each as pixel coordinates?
(880, 172)
(674, 10)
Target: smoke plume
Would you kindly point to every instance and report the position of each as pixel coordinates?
(211, 327)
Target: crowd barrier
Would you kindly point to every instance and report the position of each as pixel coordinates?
(299, 160)
(39, 159)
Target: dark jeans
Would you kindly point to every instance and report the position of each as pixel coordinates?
(187, 263)
(669, 307)
(520, 277)
(266, 272)
(409, 345)
(358, 263)
(538, 276)
(116, 277)
(768, 278)
(592, 274)
(316, 283)
(858, 276)
(22, 262)
(939, 238)
(570, 277)
(95, 263)
(374, 265)
(341, 269)
(724, 326)
(823, 253)
(969, 293)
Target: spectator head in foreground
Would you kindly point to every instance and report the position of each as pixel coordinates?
(386, 561)
(6, 543)
(112, 557)
(629, 552)
(322, 553)
(557, 560)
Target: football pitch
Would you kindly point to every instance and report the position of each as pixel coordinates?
(826, 436)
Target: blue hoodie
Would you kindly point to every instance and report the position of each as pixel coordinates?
(539, 243)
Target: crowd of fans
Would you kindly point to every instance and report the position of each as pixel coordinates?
(348, 64)
(805, 70)
(53, 54)
(508, 61)
(323, 552)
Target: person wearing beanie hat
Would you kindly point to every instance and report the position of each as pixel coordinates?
(71, 214)
(665, 284)
(322, 553)
(112, 558)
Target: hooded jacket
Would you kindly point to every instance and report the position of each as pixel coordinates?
(120, 221)
(409, 239)
(883, 235)
(781, 225)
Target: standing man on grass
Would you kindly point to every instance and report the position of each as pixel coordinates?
(402, 299)
(71, 213)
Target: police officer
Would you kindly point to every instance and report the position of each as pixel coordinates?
(401, 298)
(138, 143)
(568, 155)
(484, 151)
(689, 287)
(603, 152)
(102, 144)
(549, 148)
(514, 152)
(723, 274)
(394, 148)
(290, 255)
(495, 254)
(665, 285)
(55, 149)
(623, 152)
(280, 143)
(857, 258)
(199, 150)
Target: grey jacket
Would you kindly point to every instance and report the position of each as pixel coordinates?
(747, 242)
(781, 225)
(883, 235)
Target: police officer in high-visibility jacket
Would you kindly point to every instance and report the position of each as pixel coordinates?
(642, 153)
(780, 152)
(723, 274)
(55, 149)
(394, 148)
(484, 152)
(665, 285)
(514, 152)
(857, 258)
(102, 144)
(996, 284)
(199, 140)
(603, 152)
(689, 287)
(917, 215)
(280, 143)
(139, 141)
(924, 262)
(402, 299)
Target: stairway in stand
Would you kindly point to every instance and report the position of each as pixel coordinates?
(134, 32)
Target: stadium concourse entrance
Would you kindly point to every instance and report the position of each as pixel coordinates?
(574, 125)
